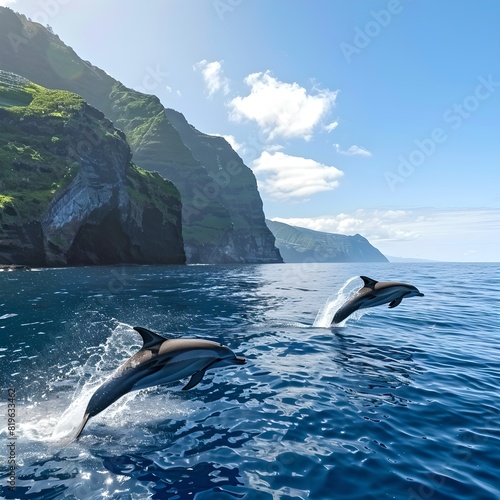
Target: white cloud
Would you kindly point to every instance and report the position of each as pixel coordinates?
(353, 151)
(245, 149)
(440, 234)
(372, 224)
(281, 109)
(286, 177)
(171, 90)
(232, 142)
(271, 148)
(4, 3)
(331, 126)
(213, 76)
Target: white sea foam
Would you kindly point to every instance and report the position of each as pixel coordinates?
(7, 316)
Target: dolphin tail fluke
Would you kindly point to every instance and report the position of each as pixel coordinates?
(80, 428)
(76, 435)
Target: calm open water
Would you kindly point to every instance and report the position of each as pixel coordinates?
(401, 403)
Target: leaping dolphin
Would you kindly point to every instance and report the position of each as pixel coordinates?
(375, 293)
(159, 361)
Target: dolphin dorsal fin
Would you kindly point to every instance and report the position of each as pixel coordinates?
(369, 283)
(148, 337)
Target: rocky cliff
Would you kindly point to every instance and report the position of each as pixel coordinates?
(297, 244)
(234, 184)
(215, 227)
(69, 193)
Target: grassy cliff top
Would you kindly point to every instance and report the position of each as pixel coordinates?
(149, 133)
(25, 98)
(32, 167)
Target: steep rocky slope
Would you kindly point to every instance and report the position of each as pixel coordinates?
(297, 244)
(69, 193)
(234, 184)
(213, 227)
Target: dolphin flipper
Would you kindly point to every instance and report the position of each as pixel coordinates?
(395, 302)
(194, 380)
(148, 337)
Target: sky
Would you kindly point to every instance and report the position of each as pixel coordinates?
(377, 117)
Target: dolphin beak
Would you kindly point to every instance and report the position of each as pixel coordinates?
(420, 294)
(235, 360)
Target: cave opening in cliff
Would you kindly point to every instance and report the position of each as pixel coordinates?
(103, 243)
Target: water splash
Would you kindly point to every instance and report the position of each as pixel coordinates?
(70, 387)
(55, 420)
(334, 302)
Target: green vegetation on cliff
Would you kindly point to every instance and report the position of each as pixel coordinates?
(142, 119)
(35, 100)
(10, 96)
(31, 167)
(158, 146)
(298, 244)
(149, 189)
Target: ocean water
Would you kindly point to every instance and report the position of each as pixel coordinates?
(400, 403)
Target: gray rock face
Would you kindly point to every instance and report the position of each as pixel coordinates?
(97, 194)
(297, 244)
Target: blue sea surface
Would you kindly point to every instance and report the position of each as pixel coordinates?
(396, 403)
